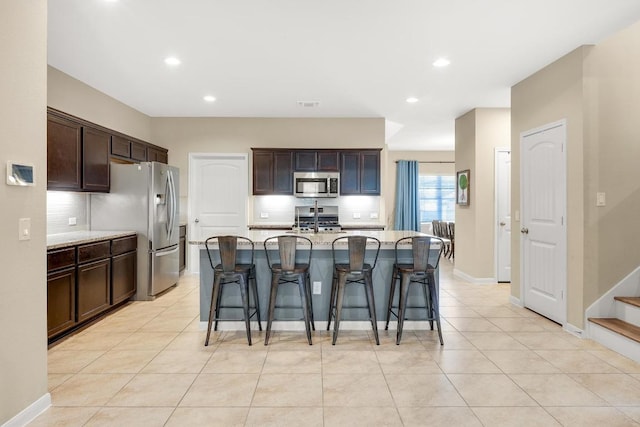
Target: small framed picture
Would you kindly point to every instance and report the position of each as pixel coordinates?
(462, 187)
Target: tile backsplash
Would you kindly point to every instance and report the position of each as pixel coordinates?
(280, 209)
(63, 205)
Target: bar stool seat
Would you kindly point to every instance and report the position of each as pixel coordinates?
(281, 253)
(226, 271)
(356, 270)
(421, 272)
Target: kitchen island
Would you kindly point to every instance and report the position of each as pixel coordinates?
(321, 271)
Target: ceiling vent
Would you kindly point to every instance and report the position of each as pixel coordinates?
(309, 104)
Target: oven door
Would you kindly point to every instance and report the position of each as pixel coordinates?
(311, 187)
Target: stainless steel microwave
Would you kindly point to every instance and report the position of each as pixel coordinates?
(316, 184)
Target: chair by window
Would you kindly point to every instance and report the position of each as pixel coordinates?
(289, 258)
(355, 269)
(419, 270)
(227, 271)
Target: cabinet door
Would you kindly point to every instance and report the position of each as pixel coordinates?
(305, 161)
(350, 172)
(370, 172)
(262, 172)
(61, 301)
(138, 152)
(282, 173)
(157, 155)
(120, 147)
(123, 277)
(95, 160)
(94, 290)
(328, 161)
(64, 151)
(182, 259)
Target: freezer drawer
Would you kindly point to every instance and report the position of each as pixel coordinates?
(164, 269)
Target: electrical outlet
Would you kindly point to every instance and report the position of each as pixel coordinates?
(356, 215)
(72, 220)
(373, 215)
(317, 288)
(264, 214)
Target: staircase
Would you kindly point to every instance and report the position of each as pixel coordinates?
(622, 332)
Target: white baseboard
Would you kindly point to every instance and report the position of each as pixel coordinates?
(475, 280)
(515, 301)
(30, 413)
(573, 330)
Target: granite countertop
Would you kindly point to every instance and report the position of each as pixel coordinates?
(323, 240)
(270, 226)
(55, 241)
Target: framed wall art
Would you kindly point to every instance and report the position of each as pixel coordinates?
(462, 187)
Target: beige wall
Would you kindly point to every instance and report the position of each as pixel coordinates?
(426, 157)
(612, 232)
(23, 304)
(478, 134)
(556, 92)
(77, 98)
(238, 135)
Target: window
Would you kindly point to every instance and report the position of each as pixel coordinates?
(437, 195)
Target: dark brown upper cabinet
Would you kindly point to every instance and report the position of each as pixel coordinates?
(316, 160)
(360, 172)
(64, 154)
(95, 160)
(272, 172)
(156, 154)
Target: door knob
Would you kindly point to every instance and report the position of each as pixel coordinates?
(524, 230)
(197, 220)
(502, 224)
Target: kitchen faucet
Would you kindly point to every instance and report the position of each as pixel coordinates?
(315, 216)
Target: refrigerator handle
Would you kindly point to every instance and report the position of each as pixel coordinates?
(174, 202)
(169, 202)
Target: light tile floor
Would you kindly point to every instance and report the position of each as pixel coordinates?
(500, 366)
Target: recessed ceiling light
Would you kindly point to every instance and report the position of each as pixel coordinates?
(209, 98)
(441, 62)
(171, 60)
(412, 100)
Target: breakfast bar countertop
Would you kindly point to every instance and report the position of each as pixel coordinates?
(323, 240)
(61, 240)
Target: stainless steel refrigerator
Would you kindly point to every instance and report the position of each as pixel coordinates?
(144, 198)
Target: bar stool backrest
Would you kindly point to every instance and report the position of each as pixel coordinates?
(421, 252)
(227, 247)
(287, 247)
(357, 247)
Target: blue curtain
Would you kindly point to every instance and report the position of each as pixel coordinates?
(407, 202)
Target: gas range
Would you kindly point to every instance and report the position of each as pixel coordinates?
(305, 217)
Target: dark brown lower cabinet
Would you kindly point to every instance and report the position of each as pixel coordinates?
(61, 301)
(182, 263)
(123, 277)
(94, 290)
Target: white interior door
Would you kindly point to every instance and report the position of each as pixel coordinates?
(543, 226)
(218, 194)
(503, 214)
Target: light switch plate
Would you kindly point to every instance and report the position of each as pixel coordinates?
(356, 215)
(264, 214)
(601, 199)
(24, 229)
(317, 288)
(72, 220)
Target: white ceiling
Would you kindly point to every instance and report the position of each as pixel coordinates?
(357, 58)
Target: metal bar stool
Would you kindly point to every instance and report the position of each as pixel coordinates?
(228, 271)
(281, 253)
(419, 271)
(356, 270)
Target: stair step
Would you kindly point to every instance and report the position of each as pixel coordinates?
(620, 326)
(629, 300)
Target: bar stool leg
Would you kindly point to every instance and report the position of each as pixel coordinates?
(272, 305)
(244, 291)
(427, 302)
(310, 300)
(402, 304)
(435, 304)
(332, 300)
(368, 284)
(254, 287)
(212, 309)
(302, 286)
(392, 291)
(341, 281)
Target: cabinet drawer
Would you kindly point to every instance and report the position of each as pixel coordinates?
(61, 258)
(123, 245)
(94, 251)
